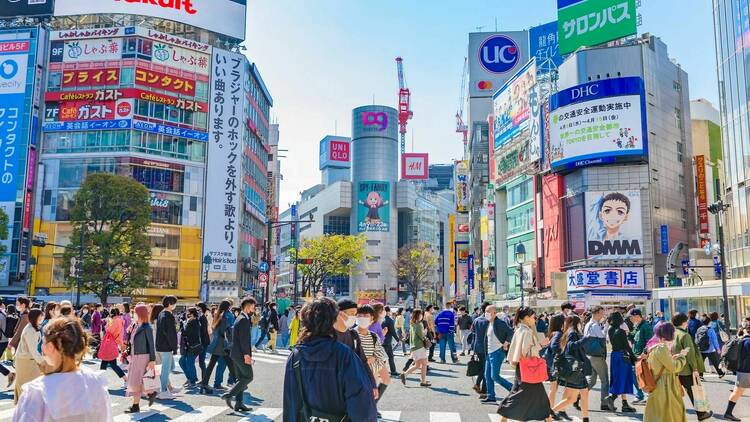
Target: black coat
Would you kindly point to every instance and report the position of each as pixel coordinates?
(391, 326)
(241, 338)
(191, 335)
(205, 338)
(166, 333)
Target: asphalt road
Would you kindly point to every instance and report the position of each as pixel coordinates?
(450, 399)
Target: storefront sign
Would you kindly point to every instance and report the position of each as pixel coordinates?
(373, 206)
(172, 39)
(615, 278)
(154, 164)
(544, 46)
(92, 50)
(181, 58)
(170, 130)
(470, 272)
(94, 110)
(90, 77)
(613, 225)
(700, 181)
(86, 125)
(664, 237)
(592, 22)
(72, 34)
(452, 252)
(414, 166)
(494, 58)
(116, 94)
(224, 166)
(461, 185)
(163, 81)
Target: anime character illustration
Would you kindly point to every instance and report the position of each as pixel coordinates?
(373, 203)
(612, 212)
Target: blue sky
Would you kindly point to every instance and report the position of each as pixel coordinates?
(321, 58)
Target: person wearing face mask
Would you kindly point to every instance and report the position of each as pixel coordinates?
(665, 403)
(68, 391)
(567, 308)
(596, 350)
(694, 367)
(418, 348)
(374, 352)
(346, 319)
(391, 335)
(499, 336)
(641, 333)
(376, 326)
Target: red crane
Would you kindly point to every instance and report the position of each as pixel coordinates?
(404, 108)
(461, 127)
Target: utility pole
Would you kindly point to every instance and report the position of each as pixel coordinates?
(718, 208)
(80, 270)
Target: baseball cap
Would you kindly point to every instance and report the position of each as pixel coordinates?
(635, 312)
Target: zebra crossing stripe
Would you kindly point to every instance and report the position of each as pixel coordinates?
(445, 417)
(7, 413)
(263, 414)
(268, 359)
(392, 416)
(201, 414)
(135, 417)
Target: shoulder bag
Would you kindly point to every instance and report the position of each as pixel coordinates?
(473, 367)
(533, 368)
(308, 413)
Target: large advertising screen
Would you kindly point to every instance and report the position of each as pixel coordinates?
(373, 206)
(222, 16)
(224, 167)
(613, 225)
(16, 8)
(511, 105)
(494, 57)
(592, 22)
(598, 122)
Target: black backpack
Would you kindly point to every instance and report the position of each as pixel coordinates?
(731, 354)
(701, 339)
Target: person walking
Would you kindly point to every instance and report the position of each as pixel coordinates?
(573, 367)
(431, 333)
(553, 350)
(221, 339)
(373, 350)
(640, 335)
(693, 322)
(596, 350)
(743, 374)
(620, 363)
(377, 325)
(479, 346)
(694, 367)
(419, 345)
(22, 309)
(205, 337)
(391, 335)
(28, 359)
(464, 328)
(5, 333)
(97, 326)
(166, 345)
(68, 390)
(294, 329)
(345, 334)
(499, 336)
(324, 374)
(273, 327)
(400, 331)
(708, 344)
(263, 325)
(241, 354)
(665, 403)
(51, 310)
(283, 329)
(191, 347)
(445, 324)
(142, 360)
(526, 401)
(112, 344)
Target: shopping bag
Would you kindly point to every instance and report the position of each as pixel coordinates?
(474, 367)
(152, 380)
(700, 400)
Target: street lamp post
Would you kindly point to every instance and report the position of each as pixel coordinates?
(207, 261)
(718, 208)
(520, 258)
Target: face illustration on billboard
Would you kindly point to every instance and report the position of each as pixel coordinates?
(613, 225)
(373, 211)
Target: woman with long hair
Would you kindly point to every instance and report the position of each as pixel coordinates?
(28, 359)
(142, 359)
(156, 309)
(418, 350)
(221, 338)
(112, 344)
(68, 390)
(577, 367)
(621, 363)
(554, 334)
(526, 401)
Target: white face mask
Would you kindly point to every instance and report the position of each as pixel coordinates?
(488, 315)
(363, 322)
(350, 321)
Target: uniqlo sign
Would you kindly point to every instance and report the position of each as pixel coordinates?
(339, 151)
(414, 166)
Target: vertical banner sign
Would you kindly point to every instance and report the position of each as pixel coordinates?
(700, 181)
(544, 47)
(373, 206)
(452, 255)
(224, 161)
(664, 237)
(14, 57)
(461, 183)
(592, 22)
(470, 272)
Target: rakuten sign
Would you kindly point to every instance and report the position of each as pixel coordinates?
(222, 16)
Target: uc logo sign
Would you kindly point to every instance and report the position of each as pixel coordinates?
(8, 69)
(499, 54)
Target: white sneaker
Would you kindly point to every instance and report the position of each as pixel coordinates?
(175, 390)
(165, 395)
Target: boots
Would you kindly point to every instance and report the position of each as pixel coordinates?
(381, 389)
(728, 414)
(133, 409)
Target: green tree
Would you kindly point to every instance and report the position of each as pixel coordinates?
(415, 266)
(4, 221)
(332, 255)
(114, 214)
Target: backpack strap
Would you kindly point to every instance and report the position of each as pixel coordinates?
(298, 377)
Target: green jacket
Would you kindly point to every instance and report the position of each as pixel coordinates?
(682, 340)
(417, 336)
(640, 336)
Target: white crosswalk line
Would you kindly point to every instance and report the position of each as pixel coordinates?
(622, 419)
(146, 413)
(390, 416)
(494, 417)
(264, 414)
(7, 413)
(201, 414)
(266, 359)
(445, 417)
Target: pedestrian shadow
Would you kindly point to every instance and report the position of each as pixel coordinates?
(449, 391)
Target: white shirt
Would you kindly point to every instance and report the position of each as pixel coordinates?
(493, 343)
(594, 329)
(80, 396)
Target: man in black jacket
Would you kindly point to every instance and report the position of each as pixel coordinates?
(390, 334)
(242, 355)
(346, 335)
(205, 338)
(166, 344)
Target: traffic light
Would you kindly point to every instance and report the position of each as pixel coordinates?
(305, 261)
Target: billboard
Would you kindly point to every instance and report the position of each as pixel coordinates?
(511, 105)
(493, 58)
(598, 122)
(544, 47)
(614, 278)
(181, 58)
(335, 151)
(702, 193)
(163, 81)
(117, 94)
(68, 111)
(222, 16)
(414, 166)
(373, 206)
(17, 8)
(90, 77)
(592, 22)
(461, 184)
(613, 225)
(91, 50)
(224, 163)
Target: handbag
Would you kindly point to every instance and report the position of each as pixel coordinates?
(473, 367)
(533, 368)
(427, 344)
(152, 380)
(310, 414)
(701, 403)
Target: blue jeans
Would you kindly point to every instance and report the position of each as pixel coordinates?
(167, 365)
(492, 373)
(283, 340)
(254, 335)
(221, 366)
(447, 337)
(187, 364)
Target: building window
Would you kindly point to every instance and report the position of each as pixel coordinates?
(678, 118)
(683, 213)
(682, 184)
(676, 85)
(163, 275)
(680, 151)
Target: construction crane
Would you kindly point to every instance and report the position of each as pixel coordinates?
(461, 127)
(404, 108)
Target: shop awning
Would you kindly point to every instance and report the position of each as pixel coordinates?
(711, 288)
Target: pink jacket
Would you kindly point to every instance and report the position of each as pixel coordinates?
(115, 327)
